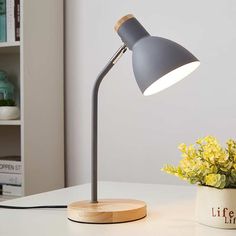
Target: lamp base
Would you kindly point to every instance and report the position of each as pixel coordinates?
(107, 211)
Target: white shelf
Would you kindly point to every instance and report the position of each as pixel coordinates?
(30, 63)
(10, 122)
(9, 44)
(10, 47)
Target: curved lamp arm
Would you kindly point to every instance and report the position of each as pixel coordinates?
(99, 79)
(157, 64)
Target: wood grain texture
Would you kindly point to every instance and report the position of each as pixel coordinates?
(107, 211)
(122, 21)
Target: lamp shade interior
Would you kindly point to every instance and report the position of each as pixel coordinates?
(159, 63)
(171, 78)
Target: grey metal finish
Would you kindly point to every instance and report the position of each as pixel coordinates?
(131, 31)
(94, 174)
(154, 57)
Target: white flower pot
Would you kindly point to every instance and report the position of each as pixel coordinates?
(216, 207)
(9, 113)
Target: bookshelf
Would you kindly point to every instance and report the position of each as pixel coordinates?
(10, 122)
(35, 66)
(9, 44)
(13, 47)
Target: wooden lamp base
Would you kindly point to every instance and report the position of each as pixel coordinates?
(107, 211)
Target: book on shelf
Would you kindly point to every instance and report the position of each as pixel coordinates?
(8, 178)
(3, 33)
(6, 197)
(9, 20)
(10, 175)
(11, 190)
(17, 20)
(10, 165)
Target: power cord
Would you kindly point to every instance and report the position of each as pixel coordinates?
(32, 207)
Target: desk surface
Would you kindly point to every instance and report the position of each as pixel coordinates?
(170, 212)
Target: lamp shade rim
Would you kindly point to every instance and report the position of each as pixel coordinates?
(171, 78)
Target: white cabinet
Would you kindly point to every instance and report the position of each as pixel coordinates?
(35, 66)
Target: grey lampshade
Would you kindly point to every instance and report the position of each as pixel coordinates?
(157, 62)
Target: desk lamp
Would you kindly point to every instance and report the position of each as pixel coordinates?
(157, 64)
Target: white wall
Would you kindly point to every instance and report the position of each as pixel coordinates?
(139, 134)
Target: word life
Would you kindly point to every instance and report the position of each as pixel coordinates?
(229, 215)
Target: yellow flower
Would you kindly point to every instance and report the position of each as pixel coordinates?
(182, 147)
(207, 163)
(215, 180)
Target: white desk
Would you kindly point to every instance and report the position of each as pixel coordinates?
(170, 212)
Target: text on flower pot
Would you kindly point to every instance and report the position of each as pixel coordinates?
(227, 214)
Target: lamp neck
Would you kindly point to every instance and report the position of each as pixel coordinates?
(131, 31)
(94, 167)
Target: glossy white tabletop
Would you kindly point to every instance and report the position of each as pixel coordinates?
(170, 212)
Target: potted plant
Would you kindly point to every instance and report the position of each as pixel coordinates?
(213, 168)
(8, 110)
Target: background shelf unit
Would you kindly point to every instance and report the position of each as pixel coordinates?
(10, 122)
(8, 48)
(35, 67)
(9, 44)
(10, 140)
